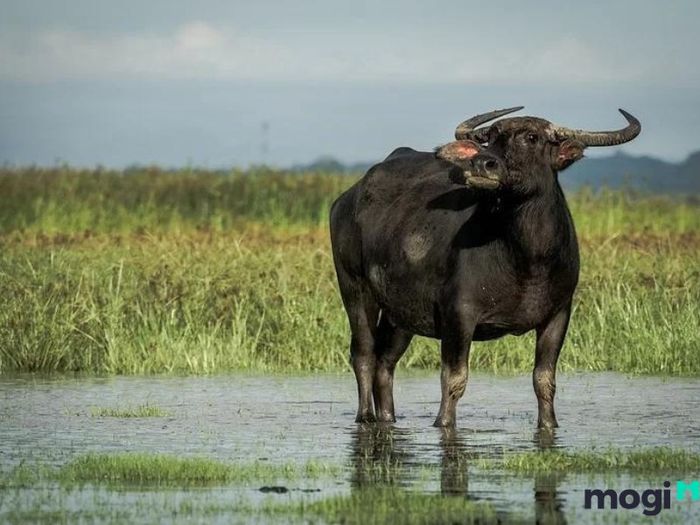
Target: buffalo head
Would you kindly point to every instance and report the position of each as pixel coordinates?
(525, 153)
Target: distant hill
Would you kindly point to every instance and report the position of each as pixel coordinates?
(619, 170)
(644, 173)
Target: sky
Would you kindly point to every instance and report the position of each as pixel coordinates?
(233, 83)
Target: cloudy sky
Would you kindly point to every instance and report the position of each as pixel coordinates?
(220, 83)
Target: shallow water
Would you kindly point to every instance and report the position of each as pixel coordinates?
(281, 419)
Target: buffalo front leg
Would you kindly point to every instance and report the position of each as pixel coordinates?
(454, 350)
(550, 338)
(391, 343)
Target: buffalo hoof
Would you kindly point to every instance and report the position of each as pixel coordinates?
(365, 418)
(443, 422)
(386, 418)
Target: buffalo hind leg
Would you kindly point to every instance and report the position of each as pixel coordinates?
(454, 349)
(362, 314)
(550, 338)
(363, 325)
(390, 344)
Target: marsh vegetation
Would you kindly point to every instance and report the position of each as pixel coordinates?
(228, 276)
(283, 447)
(152, 271)
(381, 502)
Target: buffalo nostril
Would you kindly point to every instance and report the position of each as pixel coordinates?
(490, 165)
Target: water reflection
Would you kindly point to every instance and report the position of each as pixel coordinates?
(453, 462)
(549, 500)
(382, 454)
(309, 418)
(546, 438)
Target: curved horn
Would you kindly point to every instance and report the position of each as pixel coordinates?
(465, 128)
(602, 138)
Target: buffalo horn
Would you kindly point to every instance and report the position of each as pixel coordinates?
(601, 138)
(464, 130)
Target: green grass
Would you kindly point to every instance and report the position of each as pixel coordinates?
(22, 476)
(248, 301)
(394, 505)
(144, 410)
(657, 460)
(164, 470)
(65, 200)
(161, 469)
(53, 491)
(193, 272)
(377, 504)
(360, 506)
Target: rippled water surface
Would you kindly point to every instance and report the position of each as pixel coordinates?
(280, 419)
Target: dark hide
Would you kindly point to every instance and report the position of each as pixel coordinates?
(418, 250)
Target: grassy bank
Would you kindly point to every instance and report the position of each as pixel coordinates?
(64, 200)
(307, 492)
(650, 461)
(106, 478)
(188, 272)
(162, 469)
(70, 201)
(172, 470)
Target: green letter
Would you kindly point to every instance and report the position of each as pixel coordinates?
(693, 487)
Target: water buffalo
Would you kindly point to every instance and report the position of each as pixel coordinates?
(468, 243)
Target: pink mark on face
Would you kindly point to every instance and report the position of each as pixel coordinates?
(459, 150)
(466, 149)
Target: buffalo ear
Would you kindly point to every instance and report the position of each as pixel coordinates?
(567, 153)
(458, 151)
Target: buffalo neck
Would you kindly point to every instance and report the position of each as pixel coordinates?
(540, 229)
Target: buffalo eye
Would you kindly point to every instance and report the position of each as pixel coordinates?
(532, 138)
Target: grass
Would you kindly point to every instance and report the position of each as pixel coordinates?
(657, 460)
(149, 271)
(361, 506)
(394, 505)
(382, 501)
(61, 201)
(144, 410)
(164, 469)
(373, 504)
(22, 476)
(65, 200)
